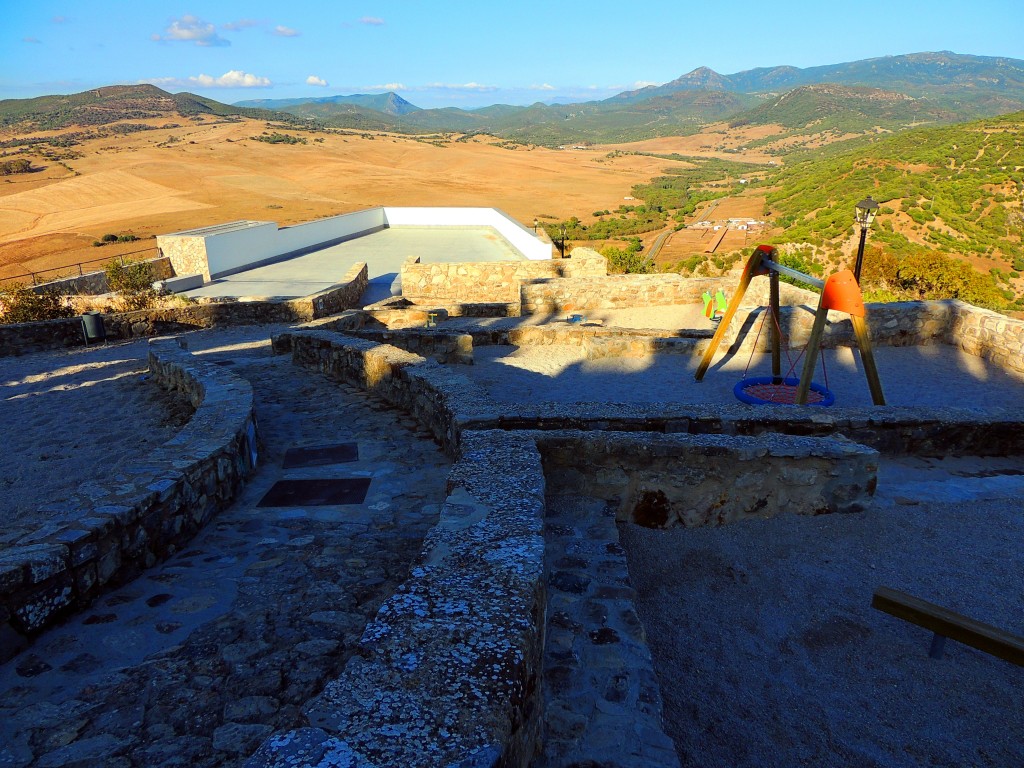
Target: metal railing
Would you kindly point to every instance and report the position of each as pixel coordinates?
(71, 270)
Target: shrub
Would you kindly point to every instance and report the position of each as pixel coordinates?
(133, 282)
(109, 238)
(627, 261)
(20, 304)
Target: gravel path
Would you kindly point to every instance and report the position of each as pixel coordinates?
(768, 652)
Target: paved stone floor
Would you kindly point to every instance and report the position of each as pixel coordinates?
(199, 659)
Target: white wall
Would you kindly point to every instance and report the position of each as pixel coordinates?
(263, 241)
(522, 238)
(232, 250)
(312, 233)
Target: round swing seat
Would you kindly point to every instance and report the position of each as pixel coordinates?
(771, 390)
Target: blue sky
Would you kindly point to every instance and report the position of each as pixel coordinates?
(465, 54)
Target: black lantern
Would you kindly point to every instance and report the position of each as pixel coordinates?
(866, 210)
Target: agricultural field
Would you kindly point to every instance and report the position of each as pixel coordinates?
(208, 171)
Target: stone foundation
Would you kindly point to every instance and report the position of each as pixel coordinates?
(152, 509)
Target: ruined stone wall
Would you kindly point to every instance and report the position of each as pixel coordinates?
(151, 510)
(448, 673)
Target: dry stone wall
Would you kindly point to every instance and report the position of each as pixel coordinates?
(583, 293)
(22, 338)
(151, 510)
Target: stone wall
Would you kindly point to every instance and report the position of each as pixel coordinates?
(491, 282)
(22, 338)
(390, 704)
(187, 254)
(448, 673)
(986, 334)
(663, 481)
(152, 509)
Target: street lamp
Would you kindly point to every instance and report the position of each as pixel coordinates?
(561, 243)
(866, 210)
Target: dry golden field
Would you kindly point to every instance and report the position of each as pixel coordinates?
(211, 171)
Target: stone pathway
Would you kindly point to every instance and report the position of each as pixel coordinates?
(199, 659)
(601, 698)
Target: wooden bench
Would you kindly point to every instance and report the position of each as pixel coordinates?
(946, 623)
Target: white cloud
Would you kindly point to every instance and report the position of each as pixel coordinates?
(33, 40)
(282, 31)
(542, 87)
(644, 84)
(372, 21)
(192, 29)
(235, 78)
(463, 87)
(314, 80)
(385, 87)
(238, 26)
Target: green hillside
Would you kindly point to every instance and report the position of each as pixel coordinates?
(844, 108)
(955, 190)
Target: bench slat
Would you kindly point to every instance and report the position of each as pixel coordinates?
(947, 623)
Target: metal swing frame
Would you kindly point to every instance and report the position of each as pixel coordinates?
(840, 292)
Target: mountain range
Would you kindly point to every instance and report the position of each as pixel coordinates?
(889, 93)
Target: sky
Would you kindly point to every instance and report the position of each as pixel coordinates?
(463, 54)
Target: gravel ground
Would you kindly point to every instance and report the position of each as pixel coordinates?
(769, 654)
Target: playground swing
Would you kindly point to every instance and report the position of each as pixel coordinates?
(839, 292)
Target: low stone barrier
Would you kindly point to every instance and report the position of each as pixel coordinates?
(448, 403)
(582, 293)
(448, 673)
(494, 281)
(22, 338)
(986, 334)
(664, 481)
(152, 509)
(374, 714)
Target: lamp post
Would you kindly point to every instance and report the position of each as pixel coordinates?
(536, 225)
(866, 210)
(561, 242)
